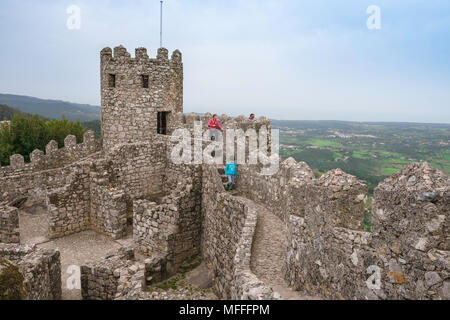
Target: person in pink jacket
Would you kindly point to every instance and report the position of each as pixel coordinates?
(214, 125)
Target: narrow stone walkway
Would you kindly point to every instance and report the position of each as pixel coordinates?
(268, 254)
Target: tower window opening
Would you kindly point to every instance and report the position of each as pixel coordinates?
(112, 80)
(144, 81)
(162, 122)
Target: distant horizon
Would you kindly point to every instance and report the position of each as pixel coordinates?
(311, 59)
(235, 115)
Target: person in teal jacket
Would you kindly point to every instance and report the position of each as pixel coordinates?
(230, 172)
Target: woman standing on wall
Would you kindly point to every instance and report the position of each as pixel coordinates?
(214, 125)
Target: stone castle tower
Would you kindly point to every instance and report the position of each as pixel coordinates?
(140, 95)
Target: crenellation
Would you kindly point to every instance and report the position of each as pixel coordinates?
(130, 109)
(37, 158)
(176, 58)
(163, 55)
(121, 52)
(51, 147)
(70, 141)
(141, 54)
(17, 161)
(53, 157)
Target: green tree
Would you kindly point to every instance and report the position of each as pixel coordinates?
(26, 133)
(58, 130)
(6, 144)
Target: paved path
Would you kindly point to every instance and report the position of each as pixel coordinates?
(33, 225)
(268, 254)
(75, 249)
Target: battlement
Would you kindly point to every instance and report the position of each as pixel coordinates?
(120, 54)
(187, 120)
(139, 95)
(329, 253)
(53, 157)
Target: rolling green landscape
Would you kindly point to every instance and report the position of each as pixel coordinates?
(370, 151)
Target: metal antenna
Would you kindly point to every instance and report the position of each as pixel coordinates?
(160, 26)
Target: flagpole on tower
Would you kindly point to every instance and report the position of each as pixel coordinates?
(160, 26)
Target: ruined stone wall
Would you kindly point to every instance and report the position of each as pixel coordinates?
(40, 268)
(241, 126)
(169, 227)
(69, 206)
(112, 277)
(109, 208)
(187, 121)
(124, 174)
(45, 171)
(273, 191)
(411, 233)
(53, 157)
(129, 111)
(228, 227)
(325, 227)
(179, 173)
(329, 254)
(404, 257)
(138, 168)
(98, 192)
(9, 224)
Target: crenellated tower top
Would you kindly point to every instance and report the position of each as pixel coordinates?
(139, 95)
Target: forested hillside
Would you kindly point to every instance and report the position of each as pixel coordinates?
(51, 108)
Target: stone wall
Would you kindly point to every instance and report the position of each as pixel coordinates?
(40, 268)
(112, 277)
(45, 171)
(108, 203)
(228, 227)
(273, 191)
(325, 234)
(169, 227)
(241, 126)
(129, 111)
(53, 157)
(109, 208)
(330, 255)
(9, 224)
(411, 233)
(69, 207)
(187, 121)
(138, 168)
(404, 257)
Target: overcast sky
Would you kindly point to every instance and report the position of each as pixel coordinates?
(312, 60)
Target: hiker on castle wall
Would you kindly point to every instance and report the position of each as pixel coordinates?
(214, 126)
(230, 172)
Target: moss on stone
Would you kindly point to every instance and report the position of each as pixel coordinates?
(54, 199)
(11, 281)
